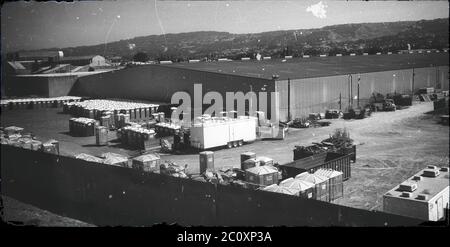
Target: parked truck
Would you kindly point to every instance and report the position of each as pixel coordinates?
(379, 102)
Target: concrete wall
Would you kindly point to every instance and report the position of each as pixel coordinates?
(61, 85)
(318, 94)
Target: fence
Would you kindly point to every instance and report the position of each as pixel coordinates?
(110, 195)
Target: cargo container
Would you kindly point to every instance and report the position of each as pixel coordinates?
(305, 189)
(146, 163)
(301, 152)
(101, 135)
(262, 175)
(223, 132)
(206, 161)
(330, 160)
(335, 182)
(320, 183)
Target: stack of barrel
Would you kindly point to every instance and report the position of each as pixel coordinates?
(167, 129)
(82, 126)
(98, 109)
(136, 137)
(32, 103)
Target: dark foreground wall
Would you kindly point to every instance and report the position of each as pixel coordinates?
(107, 195)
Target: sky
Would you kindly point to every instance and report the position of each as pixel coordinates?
(38, 25)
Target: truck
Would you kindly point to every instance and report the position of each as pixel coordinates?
(222, 131)
(380, 103)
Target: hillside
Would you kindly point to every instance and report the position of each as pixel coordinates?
(346, 38)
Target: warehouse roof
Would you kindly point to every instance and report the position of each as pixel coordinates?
(298, 68)
(427, 187)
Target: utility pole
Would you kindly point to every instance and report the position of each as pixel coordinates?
(340, 101)
(359, 78)
(412, 89)
(289, 99)
(350, 90)
(251, 103)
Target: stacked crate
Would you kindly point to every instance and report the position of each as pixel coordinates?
(33, 103)
(167, 129)
(136, 137)
(82, 126)
(97, 109)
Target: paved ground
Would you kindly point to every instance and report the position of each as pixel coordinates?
(391, 147)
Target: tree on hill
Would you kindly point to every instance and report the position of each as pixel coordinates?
(140, 57)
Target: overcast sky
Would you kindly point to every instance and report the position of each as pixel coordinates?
(39, 25)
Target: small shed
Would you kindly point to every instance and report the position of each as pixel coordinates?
(305, 189)
(115, 159)
(147, 163)
(262, 175)
(320, 182)
(335, 182)
(280, 189)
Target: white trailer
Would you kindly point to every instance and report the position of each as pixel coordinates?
(218, 132)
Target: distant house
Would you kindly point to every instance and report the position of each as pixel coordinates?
(92, 61)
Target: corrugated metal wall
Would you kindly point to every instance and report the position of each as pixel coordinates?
(158, 83)
(318, 94)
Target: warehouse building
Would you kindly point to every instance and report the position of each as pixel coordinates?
(304, 85)
(424, 196)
